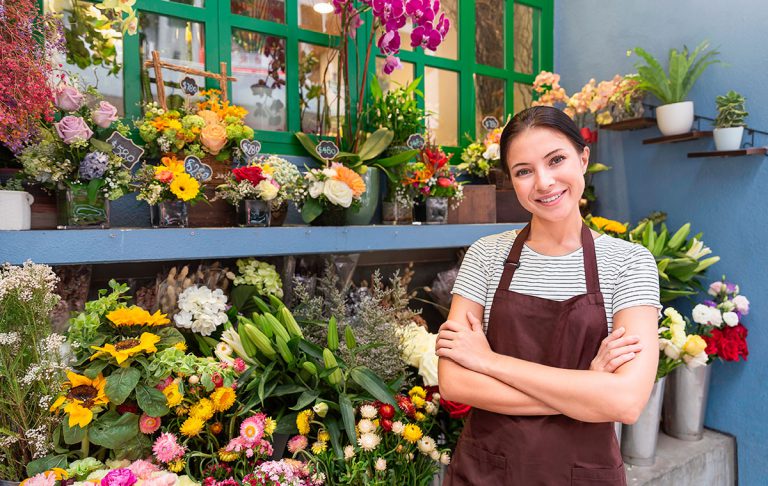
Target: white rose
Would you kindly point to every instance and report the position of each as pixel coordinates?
(428, 368)
(315, 189)
(493, 152)
(329, 173)
(338, 193)
(715, 317)
(673, 315)
(693, 362)
(700, 314)
(267, 190)
(669, 348)
(731, 318)
(741, 303)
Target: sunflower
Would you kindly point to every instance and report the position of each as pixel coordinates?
(350, 178)
(185, 187)
(136, 316)
(81, 397)
(128, 347)
(223, 398)
(610, 225)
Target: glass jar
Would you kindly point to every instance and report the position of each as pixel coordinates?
(76, 210)
(396, 212)
(170, 214)
(437, 210)
(254, 212)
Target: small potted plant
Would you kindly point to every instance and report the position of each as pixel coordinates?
(729, 123)
(15, 206)
(251, 190)
(675, 115)
(169, 190)
(433, 178)
(328, 193)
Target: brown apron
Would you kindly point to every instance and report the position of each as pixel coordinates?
(496, 449)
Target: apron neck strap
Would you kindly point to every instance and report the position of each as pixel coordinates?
(590, 260)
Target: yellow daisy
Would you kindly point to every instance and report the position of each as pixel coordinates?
(319, 447)
(172, 395)
(303, 420)
(223, 398)
(192, 427)
(128, 347)
(177, 465)
(203, 410)
(323, 435)
(185, 187)
(270, 426)
(412, 433)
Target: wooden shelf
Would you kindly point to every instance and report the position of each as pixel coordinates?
(683, 137)
(631, 124)
(731, 153)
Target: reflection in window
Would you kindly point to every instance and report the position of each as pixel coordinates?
(442, 104)
(322, 107)
(178, 41)
(258, 63)
(489, 32)
(194, 3)
(271, 10)
(523, 96)
(310, 19)
(489, 100)
(399, 77)
(449, 48)
(524, 22)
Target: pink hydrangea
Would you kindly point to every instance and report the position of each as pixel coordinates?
(167, 448)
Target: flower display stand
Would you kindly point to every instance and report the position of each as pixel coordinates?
(478, 205)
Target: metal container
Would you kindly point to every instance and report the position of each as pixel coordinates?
(437, 210)
(638, 441)
(685, 402)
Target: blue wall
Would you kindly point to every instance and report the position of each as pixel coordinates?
(724, 198)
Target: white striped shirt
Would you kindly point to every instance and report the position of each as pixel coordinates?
(627, 271)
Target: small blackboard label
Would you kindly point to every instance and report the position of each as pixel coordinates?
(490, 123)
(189, 86)
(125, 149)
(327, 150)
(416, 141)
(250, 148)
(197, 169)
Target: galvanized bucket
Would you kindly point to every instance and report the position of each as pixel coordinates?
(685, 402)
(638, 441)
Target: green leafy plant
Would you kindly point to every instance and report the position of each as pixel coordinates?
(730, 110)
(684, 68)
(397, 110)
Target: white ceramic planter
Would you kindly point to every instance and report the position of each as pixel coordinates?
(675, 118)
(728, 138)
(15, 206)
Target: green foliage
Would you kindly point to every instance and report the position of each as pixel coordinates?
(730, 110)
(89, 38)
(397, 110)
(684, 69)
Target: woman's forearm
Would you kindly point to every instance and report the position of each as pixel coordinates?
(485, 392)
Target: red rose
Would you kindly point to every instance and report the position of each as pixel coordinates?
(455, 409)
(251, 174)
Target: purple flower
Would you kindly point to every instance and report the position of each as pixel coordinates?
(709, 303)
(731, 287)
(73, 128)
(388, 9)
(104, 115)
(389, 43)
(443, 25)
(426, 36)
(392, 63)
(421, 11)
(68, 98)
(93, 166)
(119, 477)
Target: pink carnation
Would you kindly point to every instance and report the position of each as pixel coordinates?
(148, 425)
(166, 448)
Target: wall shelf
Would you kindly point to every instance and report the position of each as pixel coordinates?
(69, 247)
(631, 124)
(731, 153)
(683, 137)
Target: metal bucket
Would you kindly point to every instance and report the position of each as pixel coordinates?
(685, 402)
(638, 441)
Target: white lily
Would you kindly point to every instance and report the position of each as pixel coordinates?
(698, 250)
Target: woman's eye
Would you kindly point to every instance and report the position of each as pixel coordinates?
(522, 172)
(557, 159)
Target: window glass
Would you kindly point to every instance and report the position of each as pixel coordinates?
(442, 104)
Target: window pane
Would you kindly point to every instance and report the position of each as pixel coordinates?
(524, 21)
(399, 77)
(489, 32)
(272, 10)
(109, 85)
(318, 75)
(405, 37)
(178, 41)
(449, 48)
(258, 63)
(310, 19)
(194, 3)
(489, 100)
(442, 104)
(523, 96)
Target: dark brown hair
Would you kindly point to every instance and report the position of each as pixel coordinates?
(539, 116)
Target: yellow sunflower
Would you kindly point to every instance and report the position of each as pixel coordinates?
(223, 398)
(136, 316)
(128, 347)
(82, 395)
(185, 187)
(605, 224)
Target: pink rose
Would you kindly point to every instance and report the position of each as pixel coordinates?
(69, 98)
(119, 477)
(105, 114)
(73, 128)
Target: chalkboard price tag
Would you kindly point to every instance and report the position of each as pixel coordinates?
(189, 86)
(327, 150)
(125, 149)
(416, 141)
(250, 148)
(490, 123)
(197, 169)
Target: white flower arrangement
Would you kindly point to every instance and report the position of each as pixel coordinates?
(201, 310)
(417, 347)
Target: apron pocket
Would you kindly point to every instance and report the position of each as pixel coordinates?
(474, 466)
(582, 476)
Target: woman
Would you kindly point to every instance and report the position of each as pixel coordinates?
(527, 340)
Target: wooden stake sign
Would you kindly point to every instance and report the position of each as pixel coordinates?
(187, 87)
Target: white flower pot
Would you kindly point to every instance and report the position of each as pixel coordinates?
(728, 138)
(675, 118)
(15, 206)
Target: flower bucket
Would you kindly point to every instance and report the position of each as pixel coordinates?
(728, 138)
(331, 216)
(170, 214)
(685, 402)
(279, 214)
(638, 441)
(395, 212)
(436, 210)
(369, 201)
(254, 212)
(16, 208)
(75, 210)
(675, 118)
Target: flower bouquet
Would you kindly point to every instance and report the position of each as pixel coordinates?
(436, 183)
(719, 322)
(251, 190)
(481, 156)
(329, 192)
(73, 157)
(289, 179)
(169, 189)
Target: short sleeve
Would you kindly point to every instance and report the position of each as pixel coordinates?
(472, 280)
(638, 282)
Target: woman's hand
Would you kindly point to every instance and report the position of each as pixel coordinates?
(466, 345)
(615, 350)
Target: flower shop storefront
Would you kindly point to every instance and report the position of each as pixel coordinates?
(231, 229)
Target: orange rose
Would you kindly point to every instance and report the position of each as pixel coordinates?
(164, 175)
(214, 137)
(210, 117)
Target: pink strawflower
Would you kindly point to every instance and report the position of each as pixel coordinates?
(297, 443)
(148, 425)
(43, 479)
(143, 469)
(252, 428)
(167, 448)
(163, 384)
(163, 478)
(239, 365)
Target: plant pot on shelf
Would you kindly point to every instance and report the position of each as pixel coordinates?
(77, 210)
(369, 201)
(638, 440)
(396, 212)
(675, 118)
(16, 208)
(728, 138)
(331, 216)
(170, 214)
(685, 402)
(279, 213)
(477, 207)
(254, 212)
(436, 210)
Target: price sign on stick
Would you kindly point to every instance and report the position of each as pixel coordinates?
(125, 149)
(416, 141)
(197, 169)
(250, 148)
(327, 150)
(490, 123)
(189, 86)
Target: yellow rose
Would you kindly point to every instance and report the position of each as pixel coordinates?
(210, 117)
(694, 345)
(214, 137)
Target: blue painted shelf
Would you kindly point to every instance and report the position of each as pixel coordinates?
(67, 247)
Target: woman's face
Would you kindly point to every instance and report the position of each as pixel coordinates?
(547, 173)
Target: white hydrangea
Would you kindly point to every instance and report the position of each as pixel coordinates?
(201, 310)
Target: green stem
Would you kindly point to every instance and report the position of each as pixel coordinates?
(85, 446)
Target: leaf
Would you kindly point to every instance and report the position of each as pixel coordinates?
(46, 464)
(311, 210)
(348, 417)
(121, 383)
(93, 189)
(311, 349)
(72, 435)
(169, 336)
(241, 297)
(596, 167)
(309, 145)
(396, 159)
(332, 426)
(305, 399)
(112, 430)
(135, 448)
(101, 145)
(96, 367)
(288, 389)
(376, 143)
(151, 400)
(371, 383)
(263, 380)
(287, 424)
